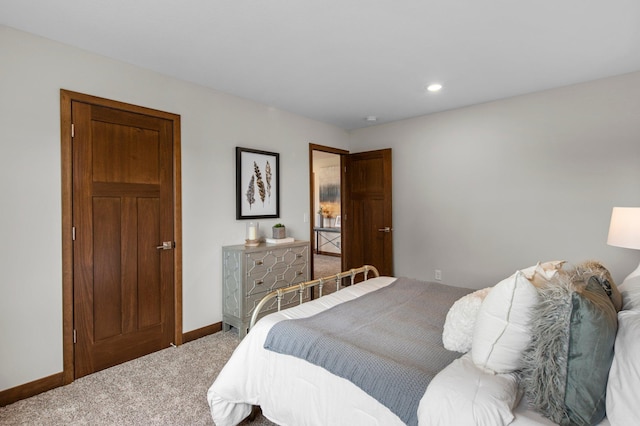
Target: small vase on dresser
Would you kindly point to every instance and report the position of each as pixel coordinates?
(279, 232)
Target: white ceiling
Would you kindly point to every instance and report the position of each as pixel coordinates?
(339, 61)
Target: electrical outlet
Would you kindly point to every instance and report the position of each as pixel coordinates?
(438, 275)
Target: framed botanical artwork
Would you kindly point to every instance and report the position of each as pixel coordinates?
(257, 184)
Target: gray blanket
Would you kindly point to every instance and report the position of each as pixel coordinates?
(387, 342)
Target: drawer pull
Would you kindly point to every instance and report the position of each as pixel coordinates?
(259, 262)
(298, 256)
(298, 273)
(259, 282)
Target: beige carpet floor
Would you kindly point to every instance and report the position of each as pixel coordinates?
(323, 266)
(168, 387)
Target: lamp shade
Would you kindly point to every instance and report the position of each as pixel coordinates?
(624, 229)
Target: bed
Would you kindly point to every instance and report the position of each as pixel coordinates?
(293, 391)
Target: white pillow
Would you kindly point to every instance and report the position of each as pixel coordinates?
(457, 333)
(624, 375)
(463, 394)
(630, 290)
(502, 330)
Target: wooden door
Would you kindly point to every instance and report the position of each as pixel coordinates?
(123, 204)
(368, 225)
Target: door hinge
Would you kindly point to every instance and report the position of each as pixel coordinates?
(73, 233)
(75, 336)
(73, 130)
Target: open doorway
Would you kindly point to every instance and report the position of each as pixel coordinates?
(365, 211)
(326, 205)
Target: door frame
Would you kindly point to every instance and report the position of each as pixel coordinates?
(341, 153)
(66, 154)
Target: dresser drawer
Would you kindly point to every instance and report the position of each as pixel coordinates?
(265, 281)
(275, 259)
(289, 300)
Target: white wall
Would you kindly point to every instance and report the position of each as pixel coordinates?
(478, 192)
(32, 71)
(482, 191)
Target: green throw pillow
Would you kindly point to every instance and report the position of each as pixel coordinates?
(566, 366)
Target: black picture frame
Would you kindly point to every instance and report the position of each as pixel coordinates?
(257, 184)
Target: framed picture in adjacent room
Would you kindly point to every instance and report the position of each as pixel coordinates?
(257, 184)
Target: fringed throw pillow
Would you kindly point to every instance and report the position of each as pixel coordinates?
(566, 365)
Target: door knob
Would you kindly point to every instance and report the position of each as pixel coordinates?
(385, 229)
(166, 245)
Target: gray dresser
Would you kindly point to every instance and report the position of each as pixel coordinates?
(249, 273)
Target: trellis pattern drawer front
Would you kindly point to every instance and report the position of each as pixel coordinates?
(267, 281)
(267, 261)
(249, 273)
(289, 300)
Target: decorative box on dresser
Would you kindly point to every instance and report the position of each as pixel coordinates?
(249, 273)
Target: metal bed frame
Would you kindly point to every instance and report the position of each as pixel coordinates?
(279, 293)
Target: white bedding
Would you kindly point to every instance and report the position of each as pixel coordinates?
(293, 392)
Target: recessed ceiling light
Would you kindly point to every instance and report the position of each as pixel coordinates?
(371, 118)
(435, 87)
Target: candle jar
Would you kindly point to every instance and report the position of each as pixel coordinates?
(253, 229)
